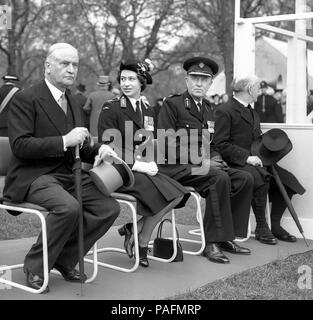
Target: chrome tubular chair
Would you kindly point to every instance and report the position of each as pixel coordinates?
(27, 208)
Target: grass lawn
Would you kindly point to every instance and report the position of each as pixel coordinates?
(274, 281)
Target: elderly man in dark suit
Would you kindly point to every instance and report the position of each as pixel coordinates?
(227, 191)
(237, 127)
(45, 126)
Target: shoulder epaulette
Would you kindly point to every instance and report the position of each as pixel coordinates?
(174, 95)
(187, 103)
(122, 102)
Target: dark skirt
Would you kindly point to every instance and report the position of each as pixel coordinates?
(154, 193)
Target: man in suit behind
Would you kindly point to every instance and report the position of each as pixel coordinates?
(7, 92)
(237, 127)
(45, 125)
(269, 110)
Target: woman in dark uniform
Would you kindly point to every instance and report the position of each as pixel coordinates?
(119, 122)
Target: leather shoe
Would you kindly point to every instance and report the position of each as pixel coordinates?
(264, 235)
(232, 247)
(285, 237)
(34, 281)
(126, 231)
(143, 260)
(71, 275)
(214, 254)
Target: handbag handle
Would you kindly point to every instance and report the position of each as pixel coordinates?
(159, 233)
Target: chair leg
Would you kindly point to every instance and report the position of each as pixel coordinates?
(45, 252)
(113, 249)
(199, 232)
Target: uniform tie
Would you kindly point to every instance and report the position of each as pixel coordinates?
(63, 103)
(138, 112)
(263, 103)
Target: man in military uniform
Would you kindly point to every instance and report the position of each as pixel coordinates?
(95, 102)
(227, 191)
(269, 110)
(7, 92)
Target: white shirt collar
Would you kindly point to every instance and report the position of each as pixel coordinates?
(56, 93)
(133, 102)
(245, 104)
(196, 102)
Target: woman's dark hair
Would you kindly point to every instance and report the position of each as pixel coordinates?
(142, 80)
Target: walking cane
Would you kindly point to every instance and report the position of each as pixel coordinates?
(78, 189)
(288, 202)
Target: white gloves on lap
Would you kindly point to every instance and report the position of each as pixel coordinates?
(149, 168)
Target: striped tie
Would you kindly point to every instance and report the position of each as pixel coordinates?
(63, 103)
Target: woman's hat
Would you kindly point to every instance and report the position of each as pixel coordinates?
(110, 177)
(141, 68)
(272, 146)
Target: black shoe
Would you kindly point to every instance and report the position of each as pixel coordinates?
(285, 237)
(34, 281)
(264, 235)
(143, 260)
(232, 247)
(68, 274)
(126, 231)
(214, 254)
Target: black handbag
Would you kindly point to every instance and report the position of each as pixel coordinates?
(163, 248)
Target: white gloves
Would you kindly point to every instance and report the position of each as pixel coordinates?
(149, 168)
(104, 152)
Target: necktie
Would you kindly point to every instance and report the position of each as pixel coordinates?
(138, 112)
(263, 103)
(199, 105)
(63, 103)
(250, 110)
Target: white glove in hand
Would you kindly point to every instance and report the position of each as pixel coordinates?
(149, 168)
(104, 153)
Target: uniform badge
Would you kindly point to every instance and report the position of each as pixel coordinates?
(123, 102)
(211, 126)
(201, 65)
(187, 103)
(148, 123)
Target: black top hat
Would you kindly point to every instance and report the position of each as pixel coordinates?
(10, 77)
(81, 87)
(141, 68)
(272, 146)
(201, 66)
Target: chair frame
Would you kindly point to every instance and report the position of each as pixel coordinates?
(131, 204)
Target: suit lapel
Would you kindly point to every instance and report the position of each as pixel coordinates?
(74, 109)
(240, 108)
(51, 108)
(130, 112)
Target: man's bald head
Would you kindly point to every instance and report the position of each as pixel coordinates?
(56, 49)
